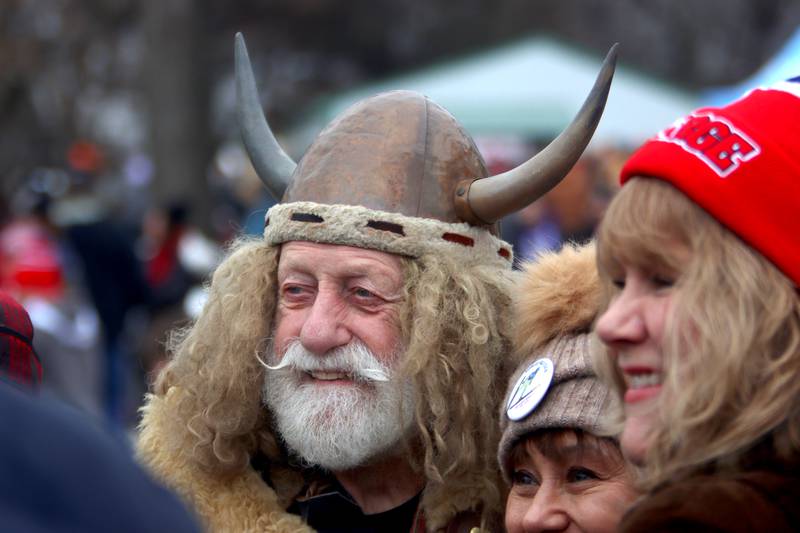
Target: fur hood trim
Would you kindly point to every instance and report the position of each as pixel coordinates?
(240, 503)
(558, 293)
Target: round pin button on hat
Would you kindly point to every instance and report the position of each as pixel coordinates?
(530, 388)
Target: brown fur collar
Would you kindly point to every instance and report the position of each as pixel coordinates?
(244, 502)
(239, 503)
(557, 293)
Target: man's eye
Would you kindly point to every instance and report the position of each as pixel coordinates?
(363, 293)
(522, 477)
(578, 474)
(293, 290)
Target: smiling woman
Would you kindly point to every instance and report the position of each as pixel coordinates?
(563, 477)
(565, 470)
(698, 254)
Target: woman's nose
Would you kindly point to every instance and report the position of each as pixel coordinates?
(548, 512)
(622, 321)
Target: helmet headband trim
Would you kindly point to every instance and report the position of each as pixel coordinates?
(387, 232)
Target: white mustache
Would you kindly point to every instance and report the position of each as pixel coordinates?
(354, 359)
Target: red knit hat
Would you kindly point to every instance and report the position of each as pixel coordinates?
(741, 163)
(18, 360)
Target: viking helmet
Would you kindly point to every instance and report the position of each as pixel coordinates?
(397, 173)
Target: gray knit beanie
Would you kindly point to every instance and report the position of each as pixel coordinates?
(555, 388)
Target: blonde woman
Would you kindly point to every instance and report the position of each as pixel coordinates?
(699, 254)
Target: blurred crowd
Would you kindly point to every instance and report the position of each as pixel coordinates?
(105, 273)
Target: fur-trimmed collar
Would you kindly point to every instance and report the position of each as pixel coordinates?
(243, 502)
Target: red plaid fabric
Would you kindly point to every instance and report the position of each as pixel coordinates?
(18, 360)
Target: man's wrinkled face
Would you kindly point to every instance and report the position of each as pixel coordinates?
(336, 345)
(330, 295)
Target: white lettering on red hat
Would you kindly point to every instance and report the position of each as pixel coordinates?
(530, 388)
(714, 140)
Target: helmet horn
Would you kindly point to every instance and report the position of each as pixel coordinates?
(272, 164)
(485, 201)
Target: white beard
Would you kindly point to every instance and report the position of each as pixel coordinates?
(338, 427)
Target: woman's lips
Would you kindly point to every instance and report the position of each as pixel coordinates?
(642, 394)
(642, 383)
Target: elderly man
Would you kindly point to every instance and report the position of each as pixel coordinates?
(342, 375)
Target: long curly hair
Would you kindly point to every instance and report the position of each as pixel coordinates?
(731, 383)
(454, 326)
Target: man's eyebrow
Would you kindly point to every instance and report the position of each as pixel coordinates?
(383, 280)
(291, 268)
(375, 272)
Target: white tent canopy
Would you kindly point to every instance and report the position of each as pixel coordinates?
(531, 89)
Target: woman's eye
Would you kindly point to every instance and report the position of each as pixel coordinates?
(618, 283)
(662, 281)
(521, 477)
(578, 474)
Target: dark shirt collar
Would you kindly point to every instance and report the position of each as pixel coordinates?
(328, 508)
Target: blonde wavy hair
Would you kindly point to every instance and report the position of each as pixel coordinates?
(453, 324)
(731, 383)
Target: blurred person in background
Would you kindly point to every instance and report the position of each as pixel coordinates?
(58, 470)
(69, 252)
(113, 276)
(700, 258)
(568, 213)
(177, 258)
(557, 453)
(167, 277)
(37, 268)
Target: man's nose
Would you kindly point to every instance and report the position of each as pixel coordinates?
(622, 322)
(547, 511)
(324, 328)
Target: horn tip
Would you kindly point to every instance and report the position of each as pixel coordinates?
(240, 48)
(239, 44)
(613, 52)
